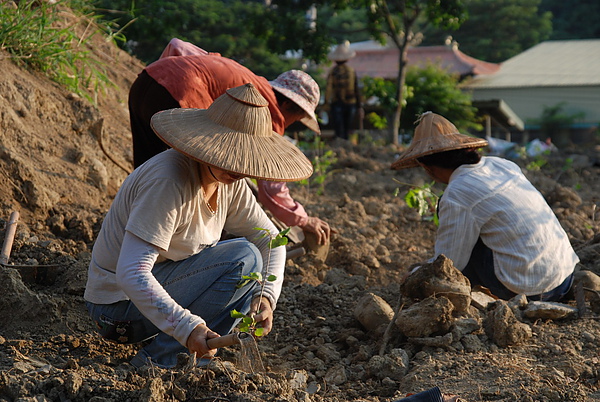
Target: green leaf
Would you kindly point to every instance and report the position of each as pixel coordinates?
(278, 241)
(271, 278)
(259, 331)
(242, 283)
(236, 314)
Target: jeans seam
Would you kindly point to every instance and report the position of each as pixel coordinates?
(197, 271)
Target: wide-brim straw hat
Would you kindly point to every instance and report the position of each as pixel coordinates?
(234, 134)
(342, 52)
(435, 134)
(304, 91)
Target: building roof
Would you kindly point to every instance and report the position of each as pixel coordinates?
(548, 64)
(374, 60)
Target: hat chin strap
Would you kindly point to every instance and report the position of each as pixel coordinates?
(211, 173)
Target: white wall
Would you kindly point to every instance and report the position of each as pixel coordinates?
(528, 103)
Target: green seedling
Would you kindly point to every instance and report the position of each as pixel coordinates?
(322, 162)
(277, 240)
(423, 199)
(248, 324)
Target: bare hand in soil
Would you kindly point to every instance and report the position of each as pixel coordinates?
(263, 313)
(319, 228)
(197, 341)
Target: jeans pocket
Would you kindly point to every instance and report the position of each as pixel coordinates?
(114, 330)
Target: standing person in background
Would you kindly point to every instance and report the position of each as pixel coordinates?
(494, 224)
(189, 77)
(159, 270)
(342, 96)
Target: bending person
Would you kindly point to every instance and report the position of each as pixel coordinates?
(189, 77)
(158, 268)
(493, 223)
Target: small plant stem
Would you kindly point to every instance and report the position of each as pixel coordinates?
(388, 330)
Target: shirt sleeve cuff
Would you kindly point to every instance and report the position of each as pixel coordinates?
(185, 327)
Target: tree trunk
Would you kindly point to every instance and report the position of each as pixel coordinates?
(399, 90)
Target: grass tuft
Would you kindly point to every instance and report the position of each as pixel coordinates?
(42, 36)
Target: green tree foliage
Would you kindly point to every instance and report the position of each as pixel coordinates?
(434, 89)
(426, 89)
(498, 30)
(573, 19)
(349, 24)
(398, 20)
(226, 27)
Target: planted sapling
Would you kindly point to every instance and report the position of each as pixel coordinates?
(248, 323)
(423, 199)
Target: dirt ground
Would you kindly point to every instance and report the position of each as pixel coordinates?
(54, 173)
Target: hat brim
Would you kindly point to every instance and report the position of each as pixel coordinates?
(310, 120)
(342, 57)
(418, 149)
(194, 134)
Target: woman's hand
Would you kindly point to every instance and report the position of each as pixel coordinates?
(261, 310)
(320, 228)
(196, 342)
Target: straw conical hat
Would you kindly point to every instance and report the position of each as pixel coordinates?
(435, 134)
(342, 52)
(234, 134)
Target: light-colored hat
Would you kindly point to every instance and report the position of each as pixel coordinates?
(300, 88)
(342, 52)
(433, 135)
(234, 134)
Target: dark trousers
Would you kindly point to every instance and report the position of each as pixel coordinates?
(480, 271)
(342, 116)
(147, 97)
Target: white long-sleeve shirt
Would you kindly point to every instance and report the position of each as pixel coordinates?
(161, 206)
(494, 200)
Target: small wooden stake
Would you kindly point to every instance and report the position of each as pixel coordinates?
(11, 229)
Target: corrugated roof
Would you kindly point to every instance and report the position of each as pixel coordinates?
(374, 60)
(548, 64)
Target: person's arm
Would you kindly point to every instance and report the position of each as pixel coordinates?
(457, 233)
(275, 196)
(134, 277)
(328, 93)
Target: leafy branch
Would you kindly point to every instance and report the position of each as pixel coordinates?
(423, 199)
(248, 323)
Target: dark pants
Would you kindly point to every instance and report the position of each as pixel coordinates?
(480, 271)
(147, 97)
(342, 116)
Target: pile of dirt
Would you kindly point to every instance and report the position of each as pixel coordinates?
(54, 172)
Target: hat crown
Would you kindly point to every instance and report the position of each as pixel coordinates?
(244, 110)
(435, 134)
(433, 125)
(303, 90)
(342, 52)
(301, 84)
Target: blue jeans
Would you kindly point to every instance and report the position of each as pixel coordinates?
(204, 283)
(480, 271)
